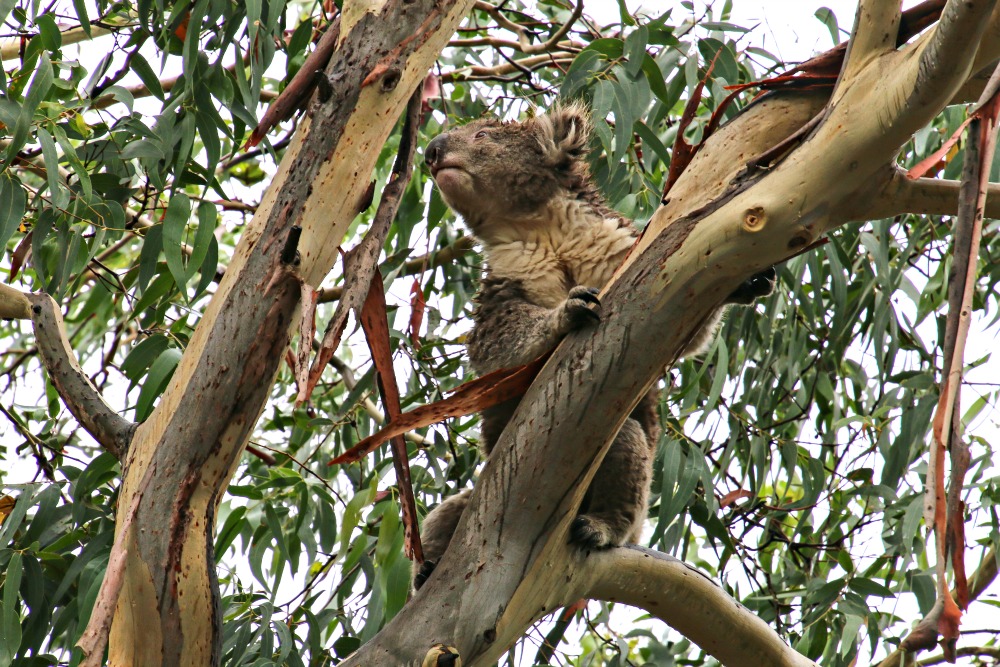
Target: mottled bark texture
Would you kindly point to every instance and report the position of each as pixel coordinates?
(183, 456)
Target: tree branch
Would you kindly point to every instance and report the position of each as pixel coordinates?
(432, 260)
(945, 58)
(110, 429)
(875, 28)
(923, 196)
(11, 47)
(974, 651)
(688, 601)
(14, 304)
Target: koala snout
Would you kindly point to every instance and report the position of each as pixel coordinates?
(434, 153)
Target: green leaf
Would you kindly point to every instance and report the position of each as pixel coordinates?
(121, 95)
(654, 78)
(277, 532)
(81, 13)
(652, 144)
(49, 32)
(207, 220)
(635, 50)
(146, 74)
(5, 7)
(624, 107)
(145, 148)
(721, 372)
(10, 615)
(37, 90)
(12, 205)
(149, 256)
(58, 192)
(174, 223)
(208, 267)
(610, 47)
(231, 528)
(142, 357)
(869, 588)
(387, 532)
(829, 19)
(580, 72)
(156, 381)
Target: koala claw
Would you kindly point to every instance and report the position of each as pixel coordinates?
(426, 570)
(582, 308)
(591, 532)
(588, 294)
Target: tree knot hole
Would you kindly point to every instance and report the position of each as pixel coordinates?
(754, 219)
(442, 655)
(390, 79)
(290, 252)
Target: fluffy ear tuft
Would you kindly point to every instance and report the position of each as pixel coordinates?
(564, 132)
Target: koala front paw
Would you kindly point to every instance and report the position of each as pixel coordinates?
(756, 286)
(582, 308)
(592, 532)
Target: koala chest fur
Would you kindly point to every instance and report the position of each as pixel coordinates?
(571, 246)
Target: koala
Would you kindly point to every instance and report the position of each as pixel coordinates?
(550, 243)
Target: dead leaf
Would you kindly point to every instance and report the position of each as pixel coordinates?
(473, 396)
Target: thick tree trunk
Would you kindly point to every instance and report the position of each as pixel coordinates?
(182, 458)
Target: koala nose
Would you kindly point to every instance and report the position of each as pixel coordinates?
(435, 150)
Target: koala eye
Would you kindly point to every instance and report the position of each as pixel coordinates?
(481, 134)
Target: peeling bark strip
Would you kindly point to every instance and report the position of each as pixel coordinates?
(297, 92)
(472, 396)
(194, 437)
(375, 323)
(944, 511)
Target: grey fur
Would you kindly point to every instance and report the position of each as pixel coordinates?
(550, 244)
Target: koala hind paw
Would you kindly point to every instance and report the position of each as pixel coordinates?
(581, 308)
(754, 287)
(426, 570)
(593, 533)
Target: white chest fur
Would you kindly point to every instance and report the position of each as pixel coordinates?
(566, 246)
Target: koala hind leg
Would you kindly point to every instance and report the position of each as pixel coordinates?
(617, 498)
(438, 529)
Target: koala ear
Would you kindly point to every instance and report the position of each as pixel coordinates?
(564, 132)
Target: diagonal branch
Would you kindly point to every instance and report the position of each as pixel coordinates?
(110, 429)
(689, 602)
(875, 28)
(945, 57)
(361, 262)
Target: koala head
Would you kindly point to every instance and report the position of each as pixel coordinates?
(489, 171)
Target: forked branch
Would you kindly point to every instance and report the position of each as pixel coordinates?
(875, 28)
